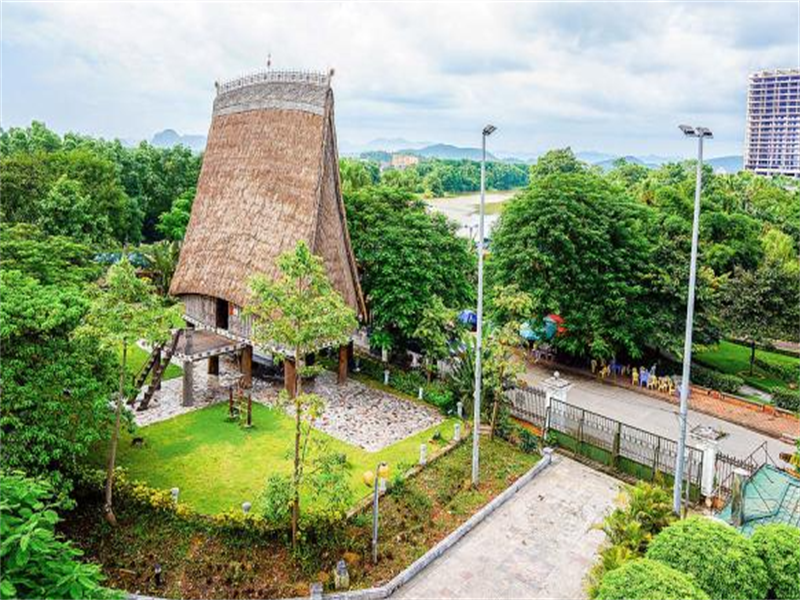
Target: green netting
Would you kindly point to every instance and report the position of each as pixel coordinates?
(770, 496)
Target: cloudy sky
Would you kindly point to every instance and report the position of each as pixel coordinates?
(613, 77)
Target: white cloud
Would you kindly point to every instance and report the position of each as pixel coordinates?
(612, 76)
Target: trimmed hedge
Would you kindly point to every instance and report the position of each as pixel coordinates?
(724, 563)
(784, 372)
(778, 545)
(709, 378)
(787, 399)
(644, 579)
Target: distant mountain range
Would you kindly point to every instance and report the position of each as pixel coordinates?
(721, 164)
(169, 138)
(388, 146)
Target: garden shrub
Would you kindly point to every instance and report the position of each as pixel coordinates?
(778, 545)
(644, 579)
(786, 399)
(724, 562)
(275, 501)
(528, 441)
(408, 382)
(35, 562)
(722, 382)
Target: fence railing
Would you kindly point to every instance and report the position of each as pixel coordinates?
(726, 464)
(623, 447)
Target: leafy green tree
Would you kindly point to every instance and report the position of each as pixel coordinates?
(760, 306)
(173, 223)
(434, 331)
(356, 174)
(406, 256)
(55, 386)
(36, 562)
(48, 259)
(299, 312)
(557, 161)
(123, 310)
(67, 211)
(579, 248)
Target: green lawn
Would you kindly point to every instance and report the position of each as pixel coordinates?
(734, 359)
(136, 359)
(218, 465)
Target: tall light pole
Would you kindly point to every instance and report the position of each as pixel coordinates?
(476, 420)
(700, 133)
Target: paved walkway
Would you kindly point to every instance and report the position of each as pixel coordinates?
(538, 545)
(655, 415)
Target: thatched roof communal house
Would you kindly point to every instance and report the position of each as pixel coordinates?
(270, 178)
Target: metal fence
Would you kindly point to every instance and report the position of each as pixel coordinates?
(725, 465)
(628, 449)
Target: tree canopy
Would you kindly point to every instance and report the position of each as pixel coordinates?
(407, 256)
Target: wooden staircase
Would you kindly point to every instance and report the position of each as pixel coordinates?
(157, 364)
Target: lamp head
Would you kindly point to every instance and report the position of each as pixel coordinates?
(701, 132)
(489, 130)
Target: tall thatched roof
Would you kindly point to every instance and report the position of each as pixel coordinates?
(270, 178)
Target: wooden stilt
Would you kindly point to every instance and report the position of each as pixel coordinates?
(188, 371)
(343, 355)
(290, 377)
(247, 367)
(213, 365)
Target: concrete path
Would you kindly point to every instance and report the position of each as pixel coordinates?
(539, 545)
(657, 416)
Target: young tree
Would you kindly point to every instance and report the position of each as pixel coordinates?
(299, 313)
(511, 307)
(125, 309)
(434, 331)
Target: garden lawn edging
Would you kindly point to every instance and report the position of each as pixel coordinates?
(415, 568)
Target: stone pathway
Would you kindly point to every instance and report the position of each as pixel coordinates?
(354, 413)
(541, 544)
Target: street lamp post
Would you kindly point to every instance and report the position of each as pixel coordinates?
(700, 133)
(487, 131)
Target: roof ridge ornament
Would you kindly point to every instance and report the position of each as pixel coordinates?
(276, 76)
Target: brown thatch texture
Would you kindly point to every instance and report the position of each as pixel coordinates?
(269, 179)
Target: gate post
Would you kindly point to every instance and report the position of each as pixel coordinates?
(616, 446)
(709, 449)
(548, 399)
